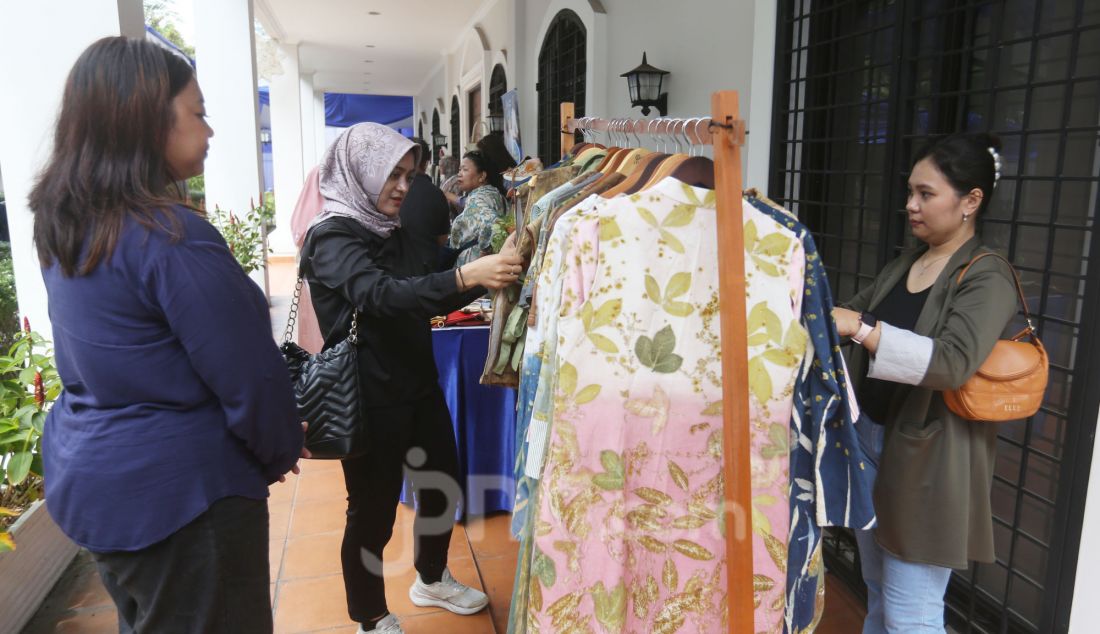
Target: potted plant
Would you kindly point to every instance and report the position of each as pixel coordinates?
(33, 550)
(247, 236)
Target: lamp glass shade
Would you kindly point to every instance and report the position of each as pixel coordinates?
(649, 86)
(632, 86)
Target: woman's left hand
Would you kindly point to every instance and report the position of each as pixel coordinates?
(847, 321)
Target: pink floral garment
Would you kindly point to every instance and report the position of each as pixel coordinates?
(628, 536)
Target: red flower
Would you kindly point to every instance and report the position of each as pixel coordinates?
(26, 325)
(39, 391)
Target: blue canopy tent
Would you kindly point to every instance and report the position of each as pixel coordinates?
(341, 111)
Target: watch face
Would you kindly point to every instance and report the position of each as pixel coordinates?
(869, 319)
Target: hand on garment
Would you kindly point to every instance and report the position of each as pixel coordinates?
(493, 271)
(847, 321)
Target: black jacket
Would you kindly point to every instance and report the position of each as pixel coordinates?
(397, 293)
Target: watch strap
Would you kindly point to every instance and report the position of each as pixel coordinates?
(865, 330)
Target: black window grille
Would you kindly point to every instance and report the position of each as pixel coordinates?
(435, 133)
(562, 72)
(858, 84)
(498, 85)
(456, 138)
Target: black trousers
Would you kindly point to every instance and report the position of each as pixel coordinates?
(209, 577)
(417, 437)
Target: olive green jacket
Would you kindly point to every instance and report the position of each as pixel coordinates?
(932, 493)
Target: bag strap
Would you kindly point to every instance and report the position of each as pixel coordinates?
(353, 334)
(1015, 277)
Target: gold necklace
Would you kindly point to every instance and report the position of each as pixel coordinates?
(924, 267)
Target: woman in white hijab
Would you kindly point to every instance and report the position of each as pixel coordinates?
(356, 255)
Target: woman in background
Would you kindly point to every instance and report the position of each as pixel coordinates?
(472, 230)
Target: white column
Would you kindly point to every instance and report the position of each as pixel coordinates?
(33, 77)
(1086, 609)
(309, 140)
(319, 123)
(225, 54)
(286, 145)
(759, 113)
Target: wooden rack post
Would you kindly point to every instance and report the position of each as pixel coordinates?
(728, 135)
(566, 136)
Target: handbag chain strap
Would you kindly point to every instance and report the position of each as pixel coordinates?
(1015, 277)
(353, 334)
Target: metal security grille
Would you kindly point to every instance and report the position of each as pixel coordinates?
(456, 138)
(562, 72)
(498, 85)
(858, 84)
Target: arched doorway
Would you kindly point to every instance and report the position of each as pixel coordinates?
(498, 85)
(562, 72)
(435, 135)
(456, 121)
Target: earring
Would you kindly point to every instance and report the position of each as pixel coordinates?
(966, 217)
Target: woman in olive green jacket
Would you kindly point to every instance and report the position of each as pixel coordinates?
(921, 332)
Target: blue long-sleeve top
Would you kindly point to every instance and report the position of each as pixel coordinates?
(175, 394)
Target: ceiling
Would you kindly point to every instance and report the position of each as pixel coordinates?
(336, 38)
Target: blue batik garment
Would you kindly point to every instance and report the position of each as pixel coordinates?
(830, 480)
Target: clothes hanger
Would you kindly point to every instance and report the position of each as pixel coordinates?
(646, 166)
(697, 171)
(632, 160)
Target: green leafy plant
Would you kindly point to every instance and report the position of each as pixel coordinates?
(9, 304)
(247, 236)
(29, 385)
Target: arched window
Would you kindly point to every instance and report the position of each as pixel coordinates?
(435, 134)
(456, 138)
(562, 72)
(498, 85)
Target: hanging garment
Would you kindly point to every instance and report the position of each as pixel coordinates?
(633, 477)
(502, 361)
(494, 372)
(831, 484)
(536, 400)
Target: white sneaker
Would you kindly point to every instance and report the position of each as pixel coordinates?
(388, 625)
(449, 594)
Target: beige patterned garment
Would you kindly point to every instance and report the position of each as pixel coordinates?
(628, 535)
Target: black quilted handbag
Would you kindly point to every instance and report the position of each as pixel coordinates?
(326, 386)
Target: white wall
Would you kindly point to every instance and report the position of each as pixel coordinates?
(1086, 609)
(713, 46)
(33, 75)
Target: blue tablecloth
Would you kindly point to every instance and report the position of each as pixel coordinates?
(484, 420)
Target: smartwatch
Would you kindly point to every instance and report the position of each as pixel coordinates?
(867, 323)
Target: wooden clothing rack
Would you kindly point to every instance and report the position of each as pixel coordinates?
(725, 131)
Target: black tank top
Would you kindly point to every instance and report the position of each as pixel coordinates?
(900, 309)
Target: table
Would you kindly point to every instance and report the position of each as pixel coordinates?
(484, 419)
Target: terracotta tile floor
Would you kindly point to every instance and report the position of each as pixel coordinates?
(308, 593)
(307, 518)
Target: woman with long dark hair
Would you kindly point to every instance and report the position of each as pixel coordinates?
(472, 230)
(358, 257)
(177, 411)
(919, 331)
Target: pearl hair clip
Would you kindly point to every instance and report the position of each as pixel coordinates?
(996, 166)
